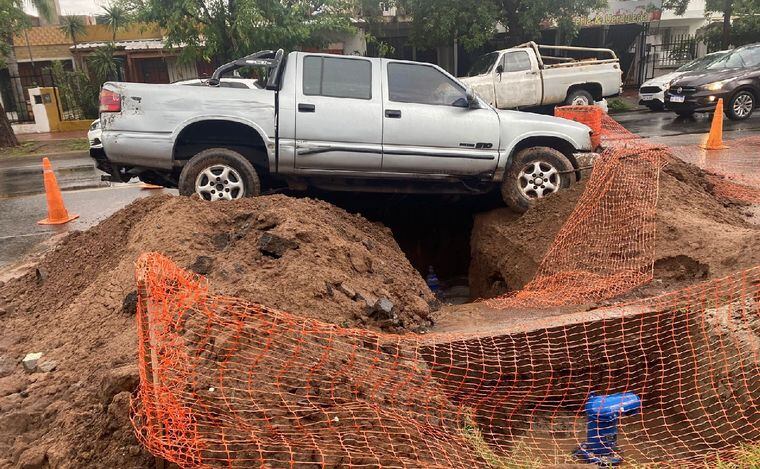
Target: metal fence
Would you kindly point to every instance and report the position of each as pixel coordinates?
(677, 51)
(14, 91)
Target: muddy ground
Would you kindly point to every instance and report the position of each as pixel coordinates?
(76, 305)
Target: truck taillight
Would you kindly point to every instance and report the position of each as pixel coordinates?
(110, 101)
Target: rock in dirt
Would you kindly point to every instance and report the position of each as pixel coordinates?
(30, 361)
(122, 379)
(129, 305)
(7, 365)
(202, 265)
(275, 246)
(46, 366)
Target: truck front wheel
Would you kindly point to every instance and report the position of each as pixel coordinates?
(535, 173)
(219, 174)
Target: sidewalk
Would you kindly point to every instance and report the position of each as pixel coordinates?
(52, 136)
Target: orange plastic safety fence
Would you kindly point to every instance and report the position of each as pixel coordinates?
(230, 384)
(606, 246)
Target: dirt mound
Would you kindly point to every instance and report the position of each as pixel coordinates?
(77, 308)
(699, 236)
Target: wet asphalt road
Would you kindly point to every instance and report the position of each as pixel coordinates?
(22, 202)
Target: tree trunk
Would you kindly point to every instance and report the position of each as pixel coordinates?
(728, 7)
(7, 137)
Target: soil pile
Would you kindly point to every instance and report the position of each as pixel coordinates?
(77, 308)
(699, 236)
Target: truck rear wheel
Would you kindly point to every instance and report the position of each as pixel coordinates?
(535, 173)
(219, 174)
(579, 98)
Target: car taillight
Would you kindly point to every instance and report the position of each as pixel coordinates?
(110, 101)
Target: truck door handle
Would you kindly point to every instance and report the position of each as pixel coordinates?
(306, 107)
(393, 113)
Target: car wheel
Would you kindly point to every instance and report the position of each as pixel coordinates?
(741, 106)
(579, 98)
(219, 174)
(535, 173)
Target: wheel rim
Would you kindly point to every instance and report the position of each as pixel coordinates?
(743, 105)
(219, 182)
(580, 101)
(538, 179)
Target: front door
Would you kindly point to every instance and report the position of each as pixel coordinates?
(429, 128)
(519, 82)
(338, 114)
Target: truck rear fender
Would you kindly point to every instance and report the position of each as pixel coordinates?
(594, 88)
(239, 135)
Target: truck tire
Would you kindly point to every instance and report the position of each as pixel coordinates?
(219, 174)
(579, 98)
(535, 173)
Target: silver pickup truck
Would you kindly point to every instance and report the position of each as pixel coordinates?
(336, 123)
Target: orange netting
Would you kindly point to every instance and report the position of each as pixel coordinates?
(233, 384)
(226, 383)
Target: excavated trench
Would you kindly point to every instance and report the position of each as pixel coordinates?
(434, 232)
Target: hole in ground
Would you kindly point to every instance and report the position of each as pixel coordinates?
(432, 230)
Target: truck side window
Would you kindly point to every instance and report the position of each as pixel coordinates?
(337, 78)
(422, 84)
(516, 62)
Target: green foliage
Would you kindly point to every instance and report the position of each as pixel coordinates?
(72, 26)
(473, 22)
(12, 20)
(229, 29)
(116, 17)
(77, 92)
(103, 65)
(439, 22)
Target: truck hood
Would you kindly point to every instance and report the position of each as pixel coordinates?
(540, 125)
(663, 81)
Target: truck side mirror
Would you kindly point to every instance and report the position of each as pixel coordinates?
(500, 69)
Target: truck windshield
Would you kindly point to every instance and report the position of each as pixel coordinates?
(483, 65)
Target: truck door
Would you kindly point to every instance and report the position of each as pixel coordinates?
(518, 81)
(338, 114)
(428, 126)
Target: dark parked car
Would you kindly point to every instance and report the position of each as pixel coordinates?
(735, 78)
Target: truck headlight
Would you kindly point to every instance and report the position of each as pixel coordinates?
(716, 86)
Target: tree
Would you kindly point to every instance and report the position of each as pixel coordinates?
(73, 27)
(473, 22)
(437, 22)
(14, 20)
(743, 10)
(229, 29)
(103, 64)
(116, 17)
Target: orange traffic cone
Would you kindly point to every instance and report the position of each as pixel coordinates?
(715, 139)
(149, 187)
(57, 213)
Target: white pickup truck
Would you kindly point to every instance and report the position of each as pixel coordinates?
(337, 123)
(522, 77)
